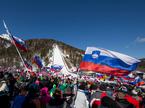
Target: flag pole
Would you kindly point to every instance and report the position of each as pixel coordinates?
(10, 36)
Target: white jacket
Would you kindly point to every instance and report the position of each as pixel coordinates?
(4, 87)
(81, 100)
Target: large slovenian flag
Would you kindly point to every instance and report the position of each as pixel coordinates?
(108, 62)
(19, 43)
(37, 60)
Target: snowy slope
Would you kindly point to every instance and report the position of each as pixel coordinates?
(5, 36)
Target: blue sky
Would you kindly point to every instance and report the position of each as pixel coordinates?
(117, 25)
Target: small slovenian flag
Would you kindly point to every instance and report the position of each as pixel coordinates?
(37, 60)
(19, 43)
(138, 81)
(56, 68)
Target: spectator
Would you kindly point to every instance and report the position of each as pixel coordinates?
(81, 99)
(19, 100)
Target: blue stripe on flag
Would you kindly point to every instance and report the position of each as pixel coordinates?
(109, 61)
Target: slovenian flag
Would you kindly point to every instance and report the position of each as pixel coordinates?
(19, 43)
(56, 68)
(108, 62)
(138, 81)
(37, 60)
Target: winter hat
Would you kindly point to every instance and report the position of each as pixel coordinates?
(44, 91)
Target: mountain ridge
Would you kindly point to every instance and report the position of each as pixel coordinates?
(43, 47)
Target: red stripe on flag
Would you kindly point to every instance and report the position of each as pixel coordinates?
(19, 43)
(21, 47)
(89, 66)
